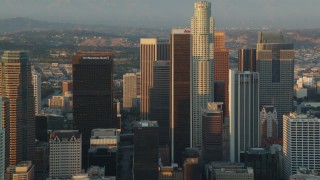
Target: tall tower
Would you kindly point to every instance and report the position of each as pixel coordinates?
(151, 49)
(129, 89)
(202, 88)
(36, 82)
(221, 68)
(179, 93)
(4, 134)
(16, 85)
(92, 94)
(159, 99)
(247, 60)
(244, 112)
(275, 61)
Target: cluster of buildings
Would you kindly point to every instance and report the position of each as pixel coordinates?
(199, 119)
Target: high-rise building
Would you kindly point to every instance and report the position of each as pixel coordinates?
(16, 85)
(264, 163)
(36, 82)
(268, 126)
(191, 164)
(129, 89)
(4, 134)
(301, 144)
(145, 150)
(65, 153)
(219, 40)
(159, 99)
(212, 138)
(221, 68)
(92, 94)
(41, 160)
(275, 61)
(247, 60)
(244, 112)
(202, 65)
(24, 170)
(179, 93)
(67, 86)
(151, 50)
(42, 128)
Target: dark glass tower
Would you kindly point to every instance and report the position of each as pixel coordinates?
(247, 60)
(92, 95)
(145, 150)
(179, 93)
(275, 61)
(159, 99)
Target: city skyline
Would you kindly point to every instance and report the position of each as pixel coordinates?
(247, 13)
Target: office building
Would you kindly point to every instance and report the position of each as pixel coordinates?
(234, 174)
(210, 168)
(179, 93)
(4, 134)
(221, 69)
(138, 75)
(268, 126)
(212, 121)
(16, 85)
(202, 65)
(151, 50)
(170, 173)
(62, 163)
(247, 60)
(36, 82)
(159, 99)
(24, 170)
(103, 150)
(129, 89)
(92, 94)
(244, 112)
(145, 150)
(42, 128)
(264, 163)
(61, 102)
(275, 61)
(67, 85)
(41, 160)
(301, 144)
(191, 164)
(305, 174)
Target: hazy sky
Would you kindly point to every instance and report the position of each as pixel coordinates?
(168, 13)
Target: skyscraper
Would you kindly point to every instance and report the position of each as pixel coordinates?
(212, 141)
(145, 150)
(268, 126)
(244, 112)
(159, 99)
(247, 60)
(301, 145)
(2, 149)
(275, 61)
(129, 89)
(151, 49)
(179, 93)
(221, 68)
(16, 85)
(65, 154)
(92, 94)
(202, 64)
(36, 82)
(67, 86)
(5, 131)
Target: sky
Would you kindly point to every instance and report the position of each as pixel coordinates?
(283, 14)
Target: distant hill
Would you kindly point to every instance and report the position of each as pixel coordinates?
(25, 24)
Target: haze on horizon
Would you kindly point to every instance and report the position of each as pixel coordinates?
(167, 13)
